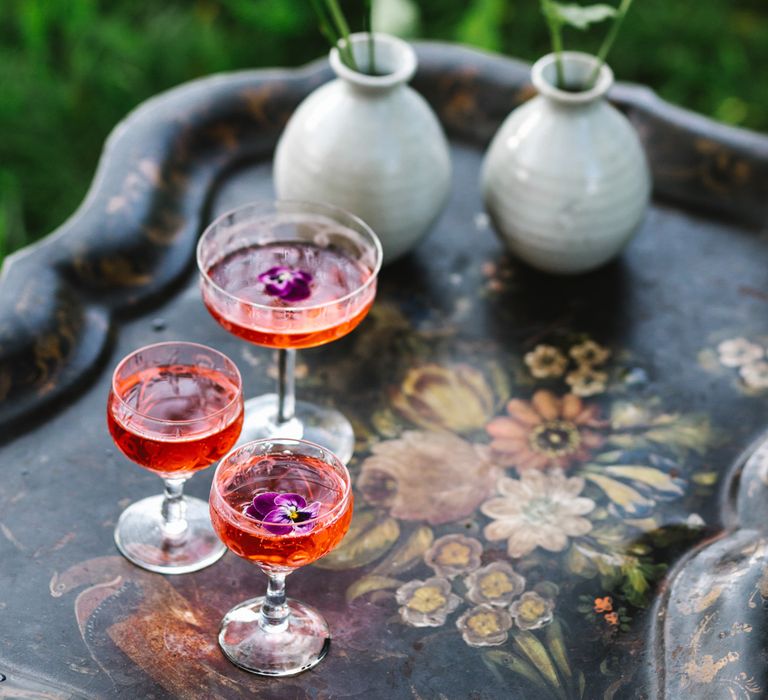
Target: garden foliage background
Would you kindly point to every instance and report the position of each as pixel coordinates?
(71, 69)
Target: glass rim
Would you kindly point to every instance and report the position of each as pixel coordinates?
(187, 421)
(295, 441)
(330, 210)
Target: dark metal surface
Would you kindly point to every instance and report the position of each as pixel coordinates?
(443, 350)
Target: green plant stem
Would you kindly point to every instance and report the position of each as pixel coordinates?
(557, 46)
(325, 26)
(555, 33)
(605, 48)
(343, 29)
(368, 25)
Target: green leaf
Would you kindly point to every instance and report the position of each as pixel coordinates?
(365, 542)
(682, 433)
(368, 584)
(515, 664)
(556, 646)
(705, 478)
(621, 494)
(535, 651)
(654, 478)
(578, 16)
(398, 17)
(408, 554)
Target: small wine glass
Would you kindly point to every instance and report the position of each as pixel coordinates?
(290, 275)
(281, 504)
(174, 408)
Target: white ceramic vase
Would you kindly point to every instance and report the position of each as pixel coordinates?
(565, 179)
(369, 144)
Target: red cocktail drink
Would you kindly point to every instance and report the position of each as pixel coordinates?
(311, 478)
(269, 320)
(290, 275)
(169, 419)
(174, 408)
(280, 504)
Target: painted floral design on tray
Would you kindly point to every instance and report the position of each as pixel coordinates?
(745, 359)
(496, 508)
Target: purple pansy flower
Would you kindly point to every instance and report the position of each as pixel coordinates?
(286, 283)
(282, 513)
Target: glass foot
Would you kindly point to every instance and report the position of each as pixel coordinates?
(139, 537)
(300, 646)
(323, 426)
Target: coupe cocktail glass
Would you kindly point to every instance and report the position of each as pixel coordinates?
(290, 275)
(281, 504)
(174, 408)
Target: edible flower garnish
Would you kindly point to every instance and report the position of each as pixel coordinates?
(286, 283)
(282, 513)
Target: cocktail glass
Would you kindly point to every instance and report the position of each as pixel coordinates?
(289, 275)
(281, 504)
(174, 408)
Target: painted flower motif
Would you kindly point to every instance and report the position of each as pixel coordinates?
(538, 510)
(435, 477)
(456, 398)
(426, 603)
(454, 554)
(495, 584)
(755, 375)
(736, 352)
(612, 618)
(283, 513)
(586, 381)
(484, 626)
(532, 611)
(589, 353)
(286, 283)
(603, 605)
(546, 432)
(546, 361)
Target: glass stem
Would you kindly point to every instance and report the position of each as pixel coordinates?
(174, 523)
(274, 613)
(286, 385)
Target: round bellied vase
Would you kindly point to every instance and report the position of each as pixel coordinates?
(565, 179)
(371, 145)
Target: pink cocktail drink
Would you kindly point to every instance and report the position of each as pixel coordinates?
(280, 504)
(311, 478)
(175, 420)
(174, 408)
(288, 275)
(267, 319)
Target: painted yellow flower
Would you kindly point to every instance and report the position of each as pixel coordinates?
(538, 510)
(495, 584)
(484, 626)
(586, 381)
(532, 611)
(456, 398)
(426, 603)
(546, 432)
(546, 361)
(454, 554)
(589, 353)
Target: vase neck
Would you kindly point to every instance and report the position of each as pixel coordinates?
(394, 61)
(586, 82)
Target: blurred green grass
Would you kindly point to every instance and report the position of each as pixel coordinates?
(71, 69)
